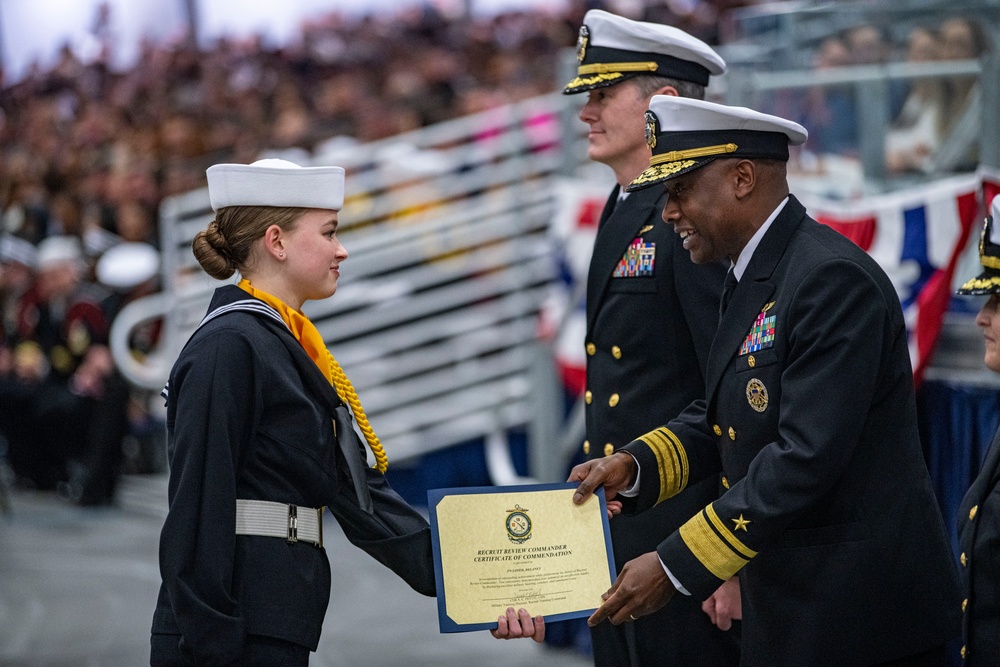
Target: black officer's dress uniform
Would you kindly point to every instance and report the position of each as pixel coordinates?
(651, 316)
(979, 540)
(250, 416)
(829, 509)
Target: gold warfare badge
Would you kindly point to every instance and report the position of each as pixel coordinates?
(651, 129)
(757, 395)
(518, 525)
(581, 43)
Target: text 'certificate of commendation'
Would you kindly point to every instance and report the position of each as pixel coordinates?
(518, 546)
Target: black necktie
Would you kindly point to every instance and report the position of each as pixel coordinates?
(727, 291)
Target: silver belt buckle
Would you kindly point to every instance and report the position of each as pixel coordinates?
(293, 524)
(319, 523)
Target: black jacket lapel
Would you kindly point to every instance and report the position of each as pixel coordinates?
(614, 235)
(752, 293)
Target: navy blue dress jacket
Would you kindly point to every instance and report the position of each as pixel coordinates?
(249, 416)
(828, 515)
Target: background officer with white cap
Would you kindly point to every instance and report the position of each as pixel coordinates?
(260, 440)
(829, 515)
(651, 313)
(979, 515)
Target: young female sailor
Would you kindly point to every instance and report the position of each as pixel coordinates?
(260, 439)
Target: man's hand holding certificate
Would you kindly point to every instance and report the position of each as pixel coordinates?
(499, 548)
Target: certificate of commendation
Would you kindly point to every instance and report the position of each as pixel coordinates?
(518, 546)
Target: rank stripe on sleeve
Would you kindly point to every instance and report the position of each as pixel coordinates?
(671, 461)
(714, 545)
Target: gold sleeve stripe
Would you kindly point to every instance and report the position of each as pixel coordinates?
(667, 465)
(728, 534)
(671, 461)
(710, 549)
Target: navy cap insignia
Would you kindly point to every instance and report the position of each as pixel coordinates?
(581, 43)
(638, 261)
(518, 525)
(757, 395)
(652, 129)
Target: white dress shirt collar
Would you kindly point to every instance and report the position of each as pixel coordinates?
(744, 259)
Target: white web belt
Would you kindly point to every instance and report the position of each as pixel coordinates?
(268, 519)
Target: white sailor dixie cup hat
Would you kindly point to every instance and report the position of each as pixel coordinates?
(685, 134)
(987, 282)
(612, 49)
(274, 182)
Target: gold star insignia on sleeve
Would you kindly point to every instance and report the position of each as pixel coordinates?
(741, 524)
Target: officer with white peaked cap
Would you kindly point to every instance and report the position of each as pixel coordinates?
(651, 316)
(979, 513)
(828, 514)
(611, 49)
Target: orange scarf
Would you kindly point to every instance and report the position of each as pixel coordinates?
(301, 327)
(308, 336)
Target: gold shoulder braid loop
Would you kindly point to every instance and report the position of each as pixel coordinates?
(346, 392)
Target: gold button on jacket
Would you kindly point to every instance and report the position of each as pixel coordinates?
(613, 401)
(586, 446)
(591, 349)
(616, 352)
(609, 449)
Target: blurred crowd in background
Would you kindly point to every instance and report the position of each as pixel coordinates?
(923, 112)
(87, 155)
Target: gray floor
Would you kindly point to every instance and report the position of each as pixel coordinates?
(77, 587)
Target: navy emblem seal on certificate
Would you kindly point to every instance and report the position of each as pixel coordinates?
(518, 546)
(518, 525)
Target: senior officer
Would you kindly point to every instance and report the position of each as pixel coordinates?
(651, 313)
(829, 516)
(979, 516)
